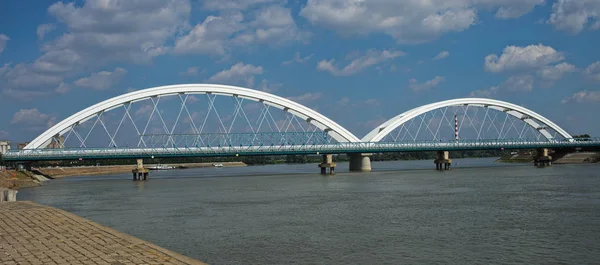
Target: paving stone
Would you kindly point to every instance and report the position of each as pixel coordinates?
(34, 234)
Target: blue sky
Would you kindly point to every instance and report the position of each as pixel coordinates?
(358, 62)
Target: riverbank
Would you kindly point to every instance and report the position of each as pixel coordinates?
(568, 158)
(36, 234)
(12, 179)
(61, 172)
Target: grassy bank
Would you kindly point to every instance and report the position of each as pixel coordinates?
(12, 179)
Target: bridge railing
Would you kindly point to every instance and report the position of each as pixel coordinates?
(335, 148)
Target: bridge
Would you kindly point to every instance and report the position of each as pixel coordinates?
(203, 120)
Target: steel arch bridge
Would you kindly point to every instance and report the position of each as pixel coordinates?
(218, 120)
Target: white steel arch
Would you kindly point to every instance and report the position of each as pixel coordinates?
(528, 116)
(336, 131)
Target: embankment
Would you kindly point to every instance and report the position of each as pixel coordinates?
(60, 172)
(15, 180)
(562, 158)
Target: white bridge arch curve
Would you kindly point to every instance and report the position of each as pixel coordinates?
(336, 131)
(528, 116)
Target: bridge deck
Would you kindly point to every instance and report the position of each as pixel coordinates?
(34, 234)
(338, 148)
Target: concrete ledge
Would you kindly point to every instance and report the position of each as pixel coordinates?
(8, 195)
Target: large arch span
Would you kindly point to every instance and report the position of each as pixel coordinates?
(336, 131)
(531, 118)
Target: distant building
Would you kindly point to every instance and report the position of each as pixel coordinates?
(57, 142)
(4, 146)
(21, 146)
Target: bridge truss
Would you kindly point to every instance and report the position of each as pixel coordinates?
(218, 120)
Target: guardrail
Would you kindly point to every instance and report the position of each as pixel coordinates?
(337, 148)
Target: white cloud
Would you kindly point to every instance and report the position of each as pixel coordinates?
(583, 97)
(307, 97)
(408, 21)
(298, 59)
(515, 58)
(4, 135)
(191, 71)
(268, 87)
(441, 55)
(3, 40)
(575, 15)
(238, 74)
(119, 30)
(44, 29)
(518, 83)
(234, 4)
(33, 119)
(102, 80)
(592, 72)
(485, 93)
(415, 86)
(97, 32)
(556, 72)
(360, 62)
(217, 35)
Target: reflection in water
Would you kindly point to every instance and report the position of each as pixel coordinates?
(289, 214)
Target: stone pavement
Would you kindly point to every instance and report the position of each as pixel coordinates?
(34, 234)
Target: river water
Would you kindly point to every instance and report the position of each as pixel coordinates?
(404, 213)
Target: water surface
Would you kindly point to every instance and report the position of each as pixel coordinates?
(404, 213)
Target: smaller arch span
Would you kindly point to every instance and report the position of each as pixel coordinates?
(336, 131)
(528, 116)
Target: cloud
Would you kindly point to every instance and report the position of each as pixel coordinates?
(33, 119)
(415, 86)
(518, 83)
(592, 72)
(307, 97)
(3, 40)
(102, 80)
(441, 55)
(410, 21)
(361, 62)
(515, 58)
(97, 32)
(44, 29)
(574, 16)
(190, 71)
(4, 135)
(298, 59)
(268, 87)
(556, 72)
(238, 74)
(217, 35)
(233, 4)
(583, 97)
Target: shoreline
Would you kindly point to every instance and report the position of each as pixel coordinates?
(12, 179)
(62, 172)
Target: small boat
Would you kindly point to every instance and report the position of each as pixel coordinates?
(161, 167)
(217, 165)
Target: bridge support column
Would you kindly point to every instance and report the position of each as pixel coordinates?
(443, 161)
(542, 159)
(360, 162)
(327, 163)
(140, 173)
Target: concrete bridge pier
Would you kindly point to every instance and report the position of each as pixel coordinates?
(443, 161)
(140, 173)
(360, 162)
(542, 159)
(327, 163)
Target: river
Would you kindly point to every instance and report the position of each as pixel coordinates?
(405, 212)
